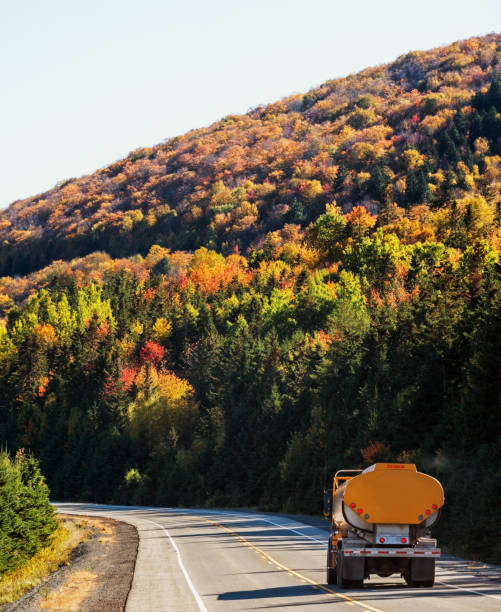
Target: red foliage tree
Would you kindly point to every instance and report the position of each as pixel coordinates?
(376, 451)
(151, 353)
(127, 377)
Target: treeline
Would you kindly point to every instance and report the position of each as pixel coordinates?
(26, 517)
(388, 135)
(242, 382)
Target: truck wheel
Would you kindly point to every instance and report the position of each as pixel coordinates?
(347, 583)
(341, 582)
(421, 573)
(331, 571)
(331, 575)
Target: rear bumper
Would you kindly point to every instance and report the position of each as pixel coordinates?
(402, 553)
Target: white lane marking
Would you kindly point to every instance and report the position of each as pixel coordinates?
(453, 586)
(189, 511)
(290, 529)
(256, 517)
(260, 517)
(197, 597)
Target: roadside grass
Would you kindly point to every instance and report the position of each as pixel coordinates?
(71, 594)
(69, 534)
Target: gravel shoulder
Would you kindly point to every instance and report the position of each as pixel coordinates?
(98, 577)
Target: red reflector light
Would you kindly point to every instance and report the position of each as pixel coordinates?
(382, 540)
(353, 505)
(360, 510)
(434, 506)
(428, 511)
(403, 540)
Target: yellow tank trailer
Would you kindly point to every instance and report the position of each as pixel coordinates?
(380, 524)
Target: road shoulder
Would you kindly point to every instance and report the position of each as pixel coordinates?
(98, 577)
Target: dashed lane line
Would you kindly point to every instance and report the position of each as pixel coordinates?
(261, 518)
(292, 572)
(257, 517)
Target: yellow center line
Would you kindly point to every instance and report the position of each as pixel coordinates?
(292, 572)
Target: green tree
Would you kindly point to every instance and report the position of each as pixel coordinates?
(379, 182)
(416, 190)
(26, 517)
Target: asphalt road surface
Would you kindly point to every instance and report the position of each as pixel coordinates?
(223, 560)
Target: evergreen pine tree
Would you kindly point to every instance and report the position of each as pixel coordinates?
(461, 123)
(378, 182)
(26, 517)
(448, 149)
(417, 189)
(341, 174)
(477, 126)
(296, 213)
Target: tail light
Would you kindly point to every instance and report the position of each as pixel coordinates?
(403, 540)
(359, 510)
(382, 540)
(353, 505)
(428, 511)
(434, 506)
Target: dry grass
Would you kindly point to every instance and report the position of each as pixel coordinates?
(69, 534)
(107, 530)
(69, 597)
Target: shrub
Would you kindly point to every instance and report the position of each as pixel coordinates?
(26, 516)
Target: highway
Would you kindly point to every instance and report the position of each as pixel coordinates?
(198, 560)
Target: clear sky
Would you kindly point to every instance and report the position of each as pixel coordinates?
(86, 81)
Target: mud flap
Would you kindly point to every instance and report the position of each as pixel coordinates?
(422, 571)
(353, 569)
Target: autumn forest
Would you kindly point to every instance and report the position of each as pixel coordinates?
(228, 317)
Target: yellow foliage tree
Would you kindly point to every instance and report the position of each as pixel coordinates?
(164, 407)
(161, 329)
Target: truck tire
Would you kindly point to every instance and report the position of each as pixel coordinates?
(342, 582)
(331, 571)
(331, 575)
(421, 573)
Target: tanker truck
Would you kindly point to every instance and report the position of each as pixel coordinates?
(380, 524)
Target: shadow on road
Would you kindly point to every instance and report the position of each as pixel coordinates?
(463, 581)
(369, 592)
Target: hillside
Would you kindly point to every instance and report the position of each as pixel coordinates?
(228, 318)
(390, 134)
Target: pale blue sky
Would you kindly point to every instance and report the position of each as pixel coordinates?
(85, 82)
